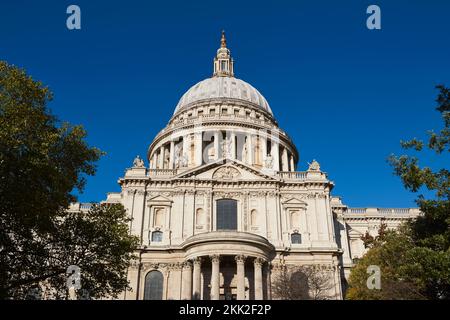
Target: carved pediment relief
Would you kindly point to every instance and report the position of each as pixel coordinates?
(226, 173)
(226, 170)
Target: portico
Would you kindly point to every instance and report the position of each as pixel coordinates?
(227, 283)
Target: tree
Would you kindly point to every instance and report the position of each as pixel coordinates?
(41, 162)
(302, 283)
(389, 252)
(416, 257)
(370, 241)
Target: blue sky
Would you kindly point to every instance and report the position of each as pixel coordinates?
(345, 94)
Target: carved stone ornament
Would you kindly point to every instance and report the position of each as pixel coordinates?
(138, 162)
(314, 166)
(226, 173)
(226, 148)
(268, 163)
(240, 259)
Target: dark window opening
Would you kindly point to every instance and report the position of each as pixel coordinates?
(157, 236)
(296, 238)
(153, 289)
(226, 214)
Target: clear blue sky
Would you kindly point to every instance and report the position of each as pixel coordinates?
(346, 95)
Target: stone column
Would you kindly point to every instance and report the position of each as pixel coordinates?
(250, 149)
(185, 153)
(258, 279)
(155, 160)
(292, 163)
(233, 146)
(264, 150)
(275, 156)
(198, 149)
(215, 277)
(240, 264)
(186, 281)
(284, 160)
(197, 279)
(171, 154)
(216, 145)
(161, 158)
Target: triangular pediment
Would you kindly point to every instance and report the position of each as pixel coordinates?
(354, 233)
(159, 198)
(294, 201)
(226, 170)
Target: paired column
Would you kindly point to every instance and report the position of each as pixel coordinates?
(258, 279)
(250, 149)
(233, 146)
(216, 145)
(240, 264)
(264, 150)
(155, 160)
(198, 149)
(197, 279)
(186, 285)
(161, 158)
(275, 155)
(215, 277)
(284, 160)
(171, 154)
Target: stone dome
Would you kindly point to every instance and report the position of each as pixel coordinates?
(223, 87)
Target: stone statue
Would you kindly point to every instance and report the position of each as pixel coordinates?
(245, 153)
(269, 161)
(166, 160)
(180, 158)
(314, 166)
(226, 148)
(138, 162)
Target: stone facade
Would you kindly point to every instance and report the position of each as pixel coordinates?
(223, 143)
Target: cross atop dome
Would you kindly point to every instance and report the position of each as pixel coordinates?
(223, 40)
(223, 62)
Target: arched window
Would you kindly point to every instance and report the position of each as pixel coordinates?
(153, 289)
(159, 217)
(157, 236)
(199, 217)
(296, 238)
(254, 218)
(226, 214)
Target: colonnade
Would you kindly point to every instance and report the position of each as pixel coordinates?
(191, 151)
(191, 277)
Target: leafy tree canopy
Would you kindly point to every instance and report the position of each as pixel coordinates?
(419, 267)
(41, 162)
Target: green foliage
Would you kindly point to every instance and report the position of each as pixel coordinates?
(390, 254)
(422, 261)
(41, 162)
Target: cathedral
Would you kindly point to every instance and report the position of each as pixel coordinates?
(221, 207)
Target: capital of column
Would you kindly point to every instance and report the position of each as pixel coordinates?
(197, 261)
(259, 261)
(187, 264)
(240, 259)
(215, 258)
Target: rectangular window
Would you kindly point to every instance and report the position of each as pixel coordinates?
(157, 236)
(226, 214)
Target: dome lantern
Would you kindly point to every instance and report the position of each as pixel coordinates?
(223, 62)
